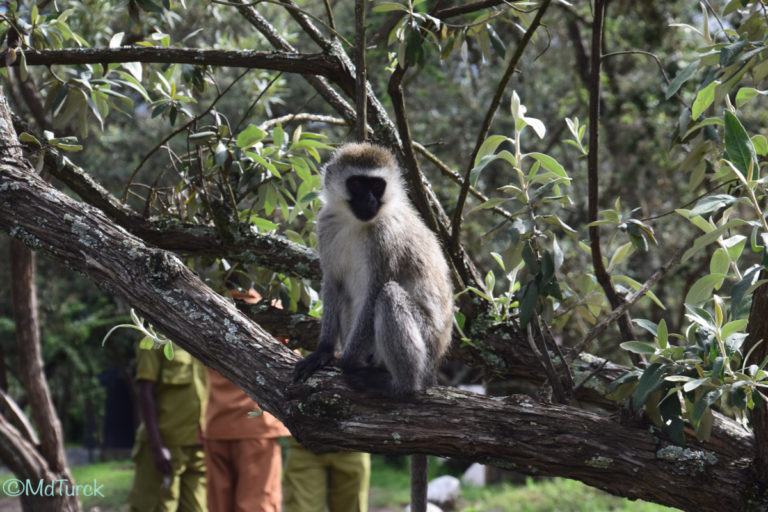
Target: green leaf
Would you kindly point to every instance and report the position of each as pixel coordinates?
(264, 225)
(663, 334)
(693, 384)
(739, 289)
(735, 246)
(704, 99)
(712, 236)
(636, 286)
(702, 290)
(671, 414)
(705, 402)
(492, 202)
(647, 325)
(389, 6)
(168, 351)
(146, 343)
(747, 93)
(639, 347)
(278, 135)
(549, 164)
(738, 147)
(528, 303)
(704, 429)
(760, 143)
(620, 255)
(651, 379)
(681, 78)
(729, 52)
(200, 138)
(28, 138)
(719, 264)
(734, 327)
(712, 204)
(250, 136)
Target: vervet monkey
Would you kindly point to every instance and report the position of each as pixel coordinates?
(387, 296)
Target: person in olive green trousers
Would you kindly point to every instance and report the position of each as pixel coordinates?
(338, 481)
(168, 453)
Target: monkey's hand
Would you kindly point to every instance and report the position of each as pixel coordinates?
(349, 364)
(311, 364)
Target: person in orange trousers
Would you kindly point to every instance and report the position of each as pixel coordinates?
(242, 452)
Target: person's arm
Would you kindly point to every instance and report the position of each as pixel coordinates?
(148, 411)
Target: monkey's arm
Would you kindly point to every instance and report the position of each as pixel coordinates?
(359, 343)
(329, 332)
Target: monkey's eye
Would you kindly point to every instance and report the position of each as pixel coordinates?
(378, 186)
(355, 185)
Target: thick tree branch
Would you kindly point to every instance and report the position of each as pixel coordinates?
(450, 12)
(314, 64)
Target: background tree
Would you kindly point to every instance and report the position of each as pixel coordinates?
(222, 172)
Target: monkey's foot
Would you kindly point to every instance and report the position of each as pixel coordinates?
(369, 378)
(310, 365)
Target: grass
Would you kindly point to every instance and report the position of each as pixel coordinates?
(390, 491)
(115, 477)
(549, 495)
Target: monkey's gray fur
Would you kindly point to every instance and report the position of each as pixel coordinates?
(387, 297)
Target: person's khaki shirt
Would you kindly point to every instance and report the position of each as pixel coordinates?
(180, 396)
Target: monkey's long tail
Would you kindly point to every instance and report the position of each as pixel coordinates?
(419, 467)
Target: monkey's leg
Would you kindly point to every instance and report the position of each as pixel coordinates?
(399, 346)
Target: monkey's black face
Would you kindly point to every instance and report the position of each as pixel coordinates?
(365, 194)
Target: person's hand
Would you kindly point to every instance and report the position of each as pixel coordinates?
(162, 458)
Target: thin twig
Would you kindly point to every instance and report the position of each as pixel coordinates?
(654, 57)
(591, 375)
(329, 12)
(302, 117)
(255, 102)
(614, 315)
(361, 94)
(456, 178)
(484, 129)
(176, 132)
(601, 273)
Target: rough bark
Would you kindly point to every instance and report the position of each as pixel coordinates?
(510, 432)
(51, 464)
(315, 64)
(757, 330)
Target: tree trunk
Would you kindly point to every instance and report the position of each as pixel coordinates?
(758, 335)
(35, 384)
